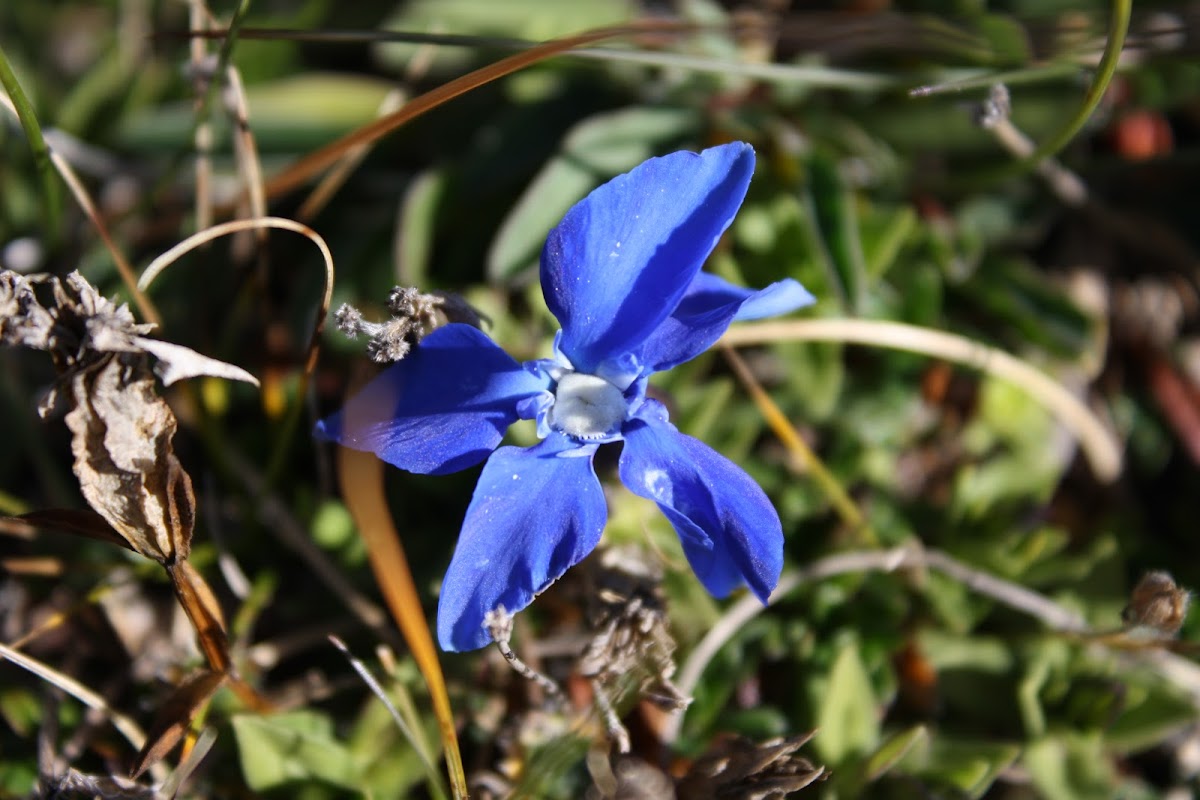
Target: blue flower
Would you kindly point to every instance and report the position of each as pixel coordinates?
(621, 272)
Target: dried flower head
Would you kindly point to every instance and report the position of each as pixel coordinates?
(414, 316)
(631, 645)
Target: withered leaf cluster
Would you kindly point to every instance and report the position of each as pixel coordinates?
(741, 769)
(121, 429)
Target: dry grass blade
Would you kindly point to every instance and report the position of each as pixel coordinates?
(412, 733)
(174, 717)
(81, 522)
(361, 478)
(1099, 445)
(127, 727)
(194, 756)
(336, 177)
(315, 162)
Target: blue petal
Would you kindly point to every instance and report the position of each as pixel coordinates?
(535, 513)
(705, 312)
(441, 409)
(730, 531)
(622, 258)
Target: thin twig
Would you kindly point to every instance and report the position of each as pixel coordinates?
(202, 136)
(1066, 185)
(278, 518)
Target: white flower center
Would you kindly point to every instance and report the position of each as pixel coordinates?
(587, 406)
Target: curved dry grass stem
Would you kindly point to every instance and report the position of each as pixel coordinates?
(361, 478)
(1101, 447)
(156, 267)
(145, 307)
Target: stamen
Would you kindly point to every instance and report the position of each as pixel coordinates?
(587, 406)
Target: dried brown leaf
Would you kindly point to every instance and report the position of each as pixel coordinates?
(81, 326)
(80, 522)
(174, 718)
(124, 461)
(176, 363)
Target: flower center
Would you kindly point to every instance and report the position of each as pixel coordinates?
(587, 406)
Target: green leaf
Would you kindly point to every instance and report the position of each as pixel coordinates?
(969, 766)
(1070, 765)
(534, 20)
(835, 227)
(847, 716)
(594, 151)
(884, 237)
(893, 751)
(295, 113)
(1007, 39)
(1153, 715)
(418, 220)
(296, 746)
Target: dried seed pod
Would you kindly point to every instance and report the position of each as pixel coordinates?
(1158, 604)
(740, 769)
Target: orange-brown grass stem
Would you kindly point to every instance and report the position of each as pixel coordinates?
(361, 478)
